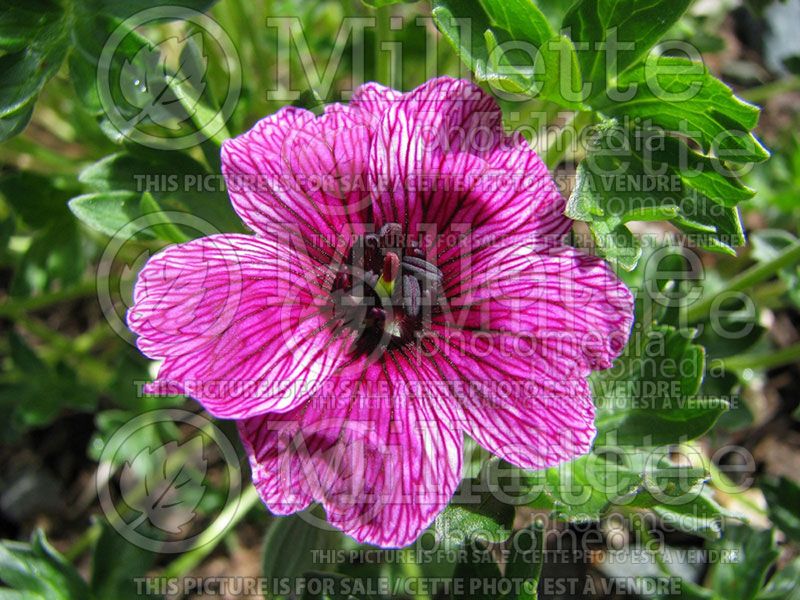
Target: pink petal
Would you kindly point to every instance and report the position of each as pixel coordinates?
(521, 330)
(441, 157)
(383, 456)
(306, 175)
(238, 322)
(373, 100)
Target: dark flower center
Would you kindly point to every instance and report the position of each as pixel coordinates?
(386, 291)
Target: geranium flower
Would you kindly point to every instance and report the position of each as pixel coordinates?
(407, 283)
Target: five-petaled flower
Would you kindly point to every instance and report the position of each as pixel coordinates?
(407, 282)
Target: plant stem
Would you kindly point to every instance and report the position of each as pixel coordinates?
(777, 358)
(745, 280)
(647, 539)
(566, 137)
(412, 571)
(84, 542)
(206, 543)
(12, 307)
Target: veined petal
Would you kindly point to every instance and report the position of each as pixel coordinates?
(440, 157)
(238, 322)
(381, 452)
(521, 329)
(303, 176)
(373, 100)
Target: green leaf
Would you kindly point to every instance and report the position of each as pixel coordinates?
(42, 392)
(475, 513)
(524, 564)
(116, 564)
(682, 96)
(161, 224)
(38, 200)
(745, 556)
(769, 244)
(292, 543)
(476, 572)
(56, 258)
(176, 181)
(125, 8)
(15, 123)
(783, 502)
(648, 397)
(39, 572)
(703, 516)
(590, 487)
(624, 29)
(36, 52)
(191, 91)
(109, 212)
(783, 585)
(511, 46)
(459, 522)
(617, 184)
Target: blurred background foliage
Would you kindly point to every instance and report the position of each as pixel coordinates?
(70, 378)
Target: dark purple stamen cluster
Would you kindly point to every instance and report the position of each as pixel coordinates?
(386, 290)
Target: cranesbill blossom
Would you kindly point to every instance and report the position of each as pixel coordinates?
(407, 282)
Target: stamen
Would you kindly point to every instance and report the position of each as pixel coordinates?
(411, 295)
(391, 267)
(395, 292)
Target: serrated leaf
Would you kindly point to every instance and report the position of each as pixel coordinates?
(623, 29)
(172, 489)
(592, 486)
(616, 184)
(175, 180)
(682, 96)
(511, 46)
(649, 397)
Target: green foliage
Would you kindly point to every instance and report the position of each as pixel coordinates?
(36, 571)
(748, 554)
(623, 29)
(638, 176)
(116, 563)
(485, 34)
(649, 397)
(651, 96)
(783, 501)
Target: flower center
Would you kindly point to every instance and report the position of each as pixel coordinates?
(386, 291)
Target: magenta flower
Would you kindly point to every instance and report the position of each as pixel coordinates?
(407, 283)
